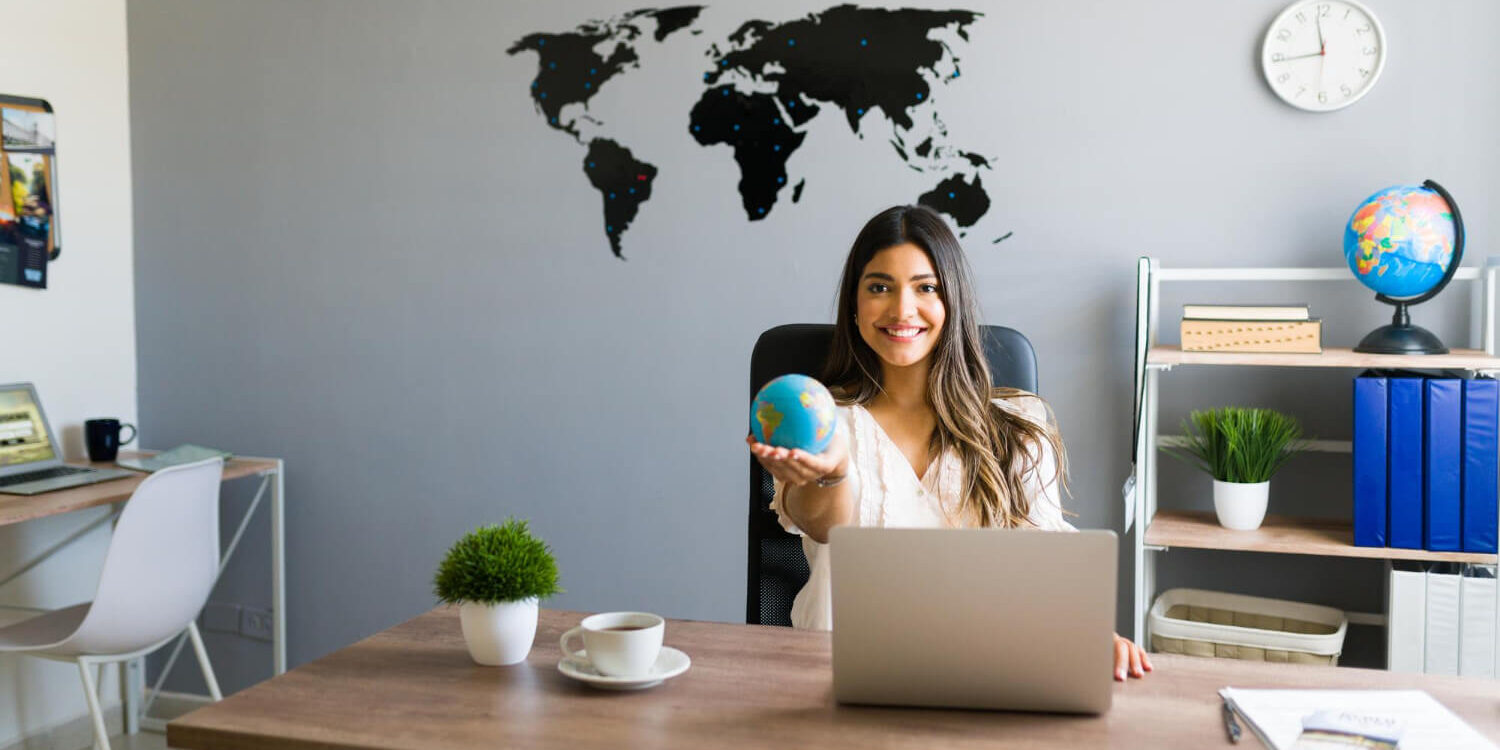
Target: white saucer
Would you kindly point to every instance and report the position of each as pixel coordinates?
(669, 663)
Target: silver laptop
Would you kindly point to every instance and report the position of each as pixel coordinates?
(974, 618)
(30, 455)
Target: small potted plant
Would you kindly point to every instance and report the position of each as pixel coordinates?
(1241, 449)
(497, 575)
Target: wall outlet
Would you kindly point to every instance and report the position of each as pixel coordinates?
(255, 623)
(218, 617)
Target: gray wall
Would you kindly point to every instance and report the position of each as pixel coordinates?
(359, 248)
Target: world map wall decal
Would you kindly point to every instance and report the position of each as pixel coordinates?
(764, 86)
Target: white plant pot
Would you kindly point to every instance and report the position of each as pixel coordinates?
(499, 634)
(1241, 506)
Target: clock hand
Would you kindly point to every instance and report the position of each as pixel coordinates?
(1299, 57)
(1322, 65)
(1322, 49)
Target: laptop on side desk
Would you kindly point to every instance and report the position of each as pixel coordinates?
(30, 455)
(1016, 620)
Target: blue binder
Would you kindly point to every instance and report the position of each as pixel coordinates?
(1481, 464)
(1369, 461)
(1405, 461)
(1443, 463)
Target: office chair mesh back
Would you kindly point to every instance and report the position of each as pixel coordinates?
(776, 568)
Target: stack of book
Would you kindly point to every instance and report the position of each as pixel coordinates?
(1275, 329)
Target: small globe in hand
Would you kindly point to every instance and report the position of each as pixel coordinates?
(793, 411)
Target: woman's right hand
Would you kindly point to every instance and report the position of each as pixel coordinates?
(796, 467)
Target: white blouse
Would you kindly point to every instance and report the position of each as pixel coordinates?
(889, 494)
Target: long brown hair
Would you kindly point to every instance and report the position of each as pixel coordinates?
(998, 448)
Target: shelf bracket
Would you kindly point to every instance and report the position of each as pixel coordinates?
(1154, 548)
(1365, 618)
(1161, 367)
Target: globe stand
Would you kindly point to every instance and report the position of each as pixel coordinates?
(1401, 337)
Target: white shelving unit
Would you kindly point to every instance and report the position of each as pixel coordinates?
(1156, 532)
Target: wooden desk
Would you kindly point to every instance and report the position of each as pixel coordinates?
(17, 508)
(413, 686)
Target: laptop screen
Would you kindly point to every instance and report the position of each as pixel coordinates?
(23, 430)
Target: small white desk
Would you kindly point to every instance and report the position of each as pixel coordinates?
(16, 508)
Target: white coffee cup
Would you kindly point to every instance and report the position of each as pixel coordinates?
(619, 644)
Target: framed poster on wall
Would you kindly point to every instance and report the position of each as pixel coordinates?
(30, 236)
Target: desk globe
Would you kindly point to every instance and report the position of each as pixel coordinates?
(793, 411)
(1405, 243)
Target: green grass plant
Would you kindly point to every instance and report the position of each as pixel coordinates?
(1238, 444)
(494, 564)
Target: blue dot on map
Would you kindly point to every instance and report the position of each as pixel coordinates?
(951, 195)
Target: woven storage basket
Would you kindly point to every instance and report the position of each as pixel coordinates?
(1231, 626)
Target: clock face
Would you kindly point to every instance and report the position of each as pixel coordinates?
(1322, 55)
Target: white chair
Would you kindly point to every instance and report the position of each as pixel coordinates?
(162, 563)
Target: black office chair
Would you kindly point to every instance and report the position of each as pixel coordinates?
(777, 569)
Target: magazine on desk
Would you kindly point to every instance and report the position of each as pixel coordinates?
(1326, 719)
(182, 454)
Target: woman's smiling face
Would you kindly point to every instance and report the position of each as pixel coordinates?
(900, 309)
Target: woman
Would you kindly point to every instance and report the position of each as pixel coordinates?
(922, 440)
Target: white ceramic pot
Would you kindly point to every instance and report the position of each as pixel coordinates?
(1241, 506)
(499, 634)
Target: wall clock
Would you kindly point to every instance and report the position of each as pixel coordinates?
(1323, 55)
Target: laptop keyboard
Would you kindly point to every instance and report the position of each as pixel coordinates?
(32, 476)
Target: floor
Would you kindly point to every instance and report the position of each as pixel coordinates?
(167, 708)
(141, 741)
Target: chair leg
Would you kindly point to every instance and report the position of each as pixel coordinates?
(91, 691)
(208, 669)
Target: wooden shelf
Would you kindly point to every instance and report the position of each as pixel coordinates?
(1457, 359)
(1284, 535)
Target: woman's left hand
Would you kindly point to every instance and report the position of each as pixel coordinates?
(1130, 659)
